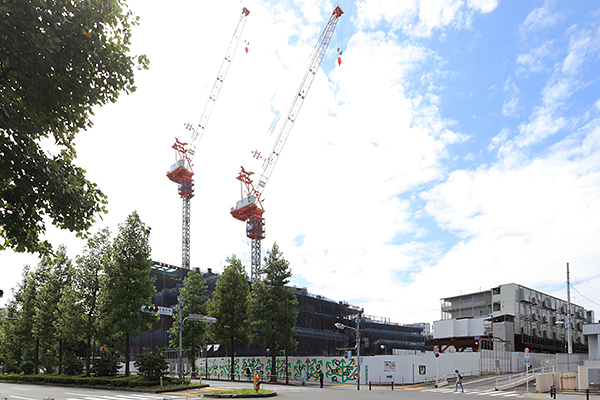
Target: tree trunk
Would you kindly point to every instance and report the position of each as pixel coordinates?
(127, 354)
(37, 356)
(273, 359)
(60, 357)
(232, 360)
(88, 346)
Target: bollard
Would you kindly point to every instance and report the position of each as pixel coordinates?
(369, 384)
(515, 386)
(393, 383)
(587, 394)
(402, 381)
(379, 381)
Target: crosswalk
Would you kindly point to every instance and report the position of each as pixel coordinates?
(132, 396)
(475, 392)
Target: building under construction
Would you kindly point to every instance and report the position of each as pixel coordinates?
(315, 326)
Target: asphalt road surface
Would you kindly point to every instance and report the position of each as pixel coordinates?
(474, 390)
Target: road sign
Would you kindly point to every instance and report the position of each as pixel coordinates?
(526, 349)
(436, 350)
(201, 318)
(437, 355)
(527, 361)
(157, 310)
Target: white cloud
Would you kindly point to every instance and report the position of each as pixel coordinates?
(511, 102)
(524, 219)
(533, 61)
(421, 18)
(541, 18)
(547, 118)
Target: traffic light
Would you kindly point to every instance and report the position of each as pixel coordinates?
(150, 309)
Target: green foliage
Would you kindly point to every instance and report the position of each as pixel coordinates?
(106, 365)
(89, 267)
(28, 367)
(72, 365)
(229, 305)
(195, 302)
(272, 308)
(59, 60)
(126, 286)
(152, 365)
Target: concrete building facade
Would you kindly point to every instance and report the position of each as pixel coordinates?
(517, 316)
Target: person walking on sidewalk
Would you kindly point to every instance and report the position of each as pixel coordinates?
(321, 378)
(458, 382)
(303, 376)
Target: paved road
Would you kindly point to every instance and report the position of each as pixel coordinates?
(11, 391)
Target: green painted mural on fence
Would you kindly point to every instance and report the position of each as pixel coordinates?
(342, 370)
(312, 365)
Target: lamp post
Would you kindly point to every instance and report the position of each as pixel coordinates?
(191, 317)
(341, 326)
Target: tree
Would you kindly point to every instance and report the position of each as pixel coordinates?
(127, 285)
(152, 365)
(58, 60)
(194, 302)
(52, 275)
(229, 305)
(89, 267)
(18, 342)
(272, 307)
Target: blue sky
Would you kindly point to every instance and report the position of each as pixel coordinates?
(456, 148)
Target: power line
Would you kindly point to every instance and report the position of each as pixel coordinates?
(591, 301)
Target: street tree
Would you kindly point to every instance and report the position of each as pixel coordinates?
(88, 269)
(229, 305)
(59, 60)
(195, 301)
(126, 286)
(272, 307)
(18, 342)
(52, 275)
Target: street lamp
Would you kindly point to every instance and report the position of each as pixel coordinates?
(191, 317)
(341, 327)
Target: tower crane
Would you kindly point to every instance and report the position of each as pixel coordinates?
(181, 172)
(250, 209)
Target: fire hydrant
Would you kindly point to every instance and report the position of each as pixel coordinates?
(257, 382)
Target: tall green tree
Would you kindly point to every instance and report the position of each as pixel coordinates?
(194, 301)
(18, 340)
(229, 305)
(58, 60)
(88, 269)
(127, 285)
(272, 308)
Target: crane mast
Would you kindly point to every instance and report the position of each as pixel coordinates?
(250, 208)
(181, 172)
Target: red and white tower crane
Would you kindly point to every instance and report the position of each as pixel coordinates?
(250, 208)
(181, 172)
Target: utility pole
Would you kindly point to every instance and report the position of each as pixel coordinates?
(570, 340)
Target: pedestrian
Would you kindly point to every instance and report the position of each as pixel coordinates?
(458, 381)
(303, 376)
(248, 373)
(321, 377)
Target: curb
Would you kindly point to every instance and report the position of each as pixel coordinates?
(240, 396)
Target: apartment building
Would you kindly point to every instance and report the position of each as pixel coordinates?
(517, 315)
